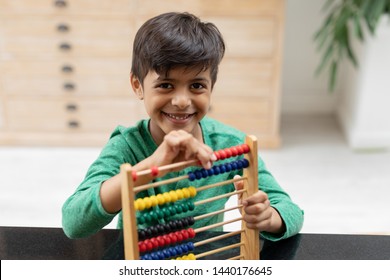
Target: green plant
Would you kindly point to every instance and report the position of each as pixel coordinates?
(345, 18)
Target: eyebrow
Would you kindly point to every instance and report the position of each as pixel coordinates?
(197, 79)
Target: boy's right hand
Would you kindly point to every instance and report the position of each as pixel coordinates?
(180, 146)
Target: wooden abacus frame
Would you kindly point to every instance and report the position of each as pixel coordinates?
(249, 243)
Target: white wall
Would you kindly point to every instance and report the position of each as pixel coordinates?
(302, 92)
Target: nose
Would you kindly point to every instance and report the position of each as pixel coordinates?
(181, 99)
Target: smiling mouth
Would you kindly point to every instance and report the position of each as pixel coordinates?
(179, 117)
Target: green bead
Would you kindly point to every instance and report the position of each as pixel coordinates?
(191, 205)
(141, 219)
(153, 215)
(185, 207)
(172, 210)
(159, 213)
(166, 212)
(179, 208)
(148, 218)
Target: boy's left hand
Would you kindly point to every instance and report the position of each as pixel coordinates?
(257, 211)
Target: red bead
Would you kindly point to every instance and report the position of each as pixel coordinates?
(149, 245)
(222, 154)
(234, 151)
(167, 239)
(185, 234)
(154, 171)
(161, 241)
(154, 242)
(141, 247)
(216, 153)
(245, 148)
(191, 232)
(240, 150)
(134, 175)
(173, 237)
(179, 236)
(228, 153)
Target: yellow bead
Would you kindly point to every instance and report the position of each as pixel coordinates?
(186, 193)
(154, 200)
(179, 259)
(185, 257)
(173, 196)
(192, 191)
(167, 197)
(148, 202)
(180, 194)
(160, 199)
(191, 256)
(140, 204)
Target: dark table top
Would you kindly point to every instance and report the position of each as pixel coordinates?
(32, 243)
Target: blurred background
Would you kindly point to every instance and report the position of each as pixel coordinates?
(64, 69)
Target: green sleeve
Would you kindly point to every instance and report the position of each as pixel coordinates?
(290, 213)
(83, 213)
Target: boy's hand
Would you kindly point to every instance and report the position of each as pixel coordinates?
(181, 146)
(258, 213)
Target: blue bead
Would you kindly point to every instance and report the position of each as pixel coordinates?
(204, 173)
(191, 176)
(222, 168)
(210, 172)
(184, 248)
(234, 165)
(239, 164)
(216, 170)
(166, 253)
(245, 163)
(198, 174)
(160, 255)
(178, 249)
(154, 256)
(228, 167)
(191, 246)
(172, 251)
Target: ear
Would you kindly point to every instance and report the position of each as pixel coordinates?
(137, 87)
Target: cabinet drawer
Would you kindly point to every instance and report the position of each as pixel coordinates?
(243, 76)
(215, 7)
(41, 86)
(54, 114)
(27, 37)
(69, 7)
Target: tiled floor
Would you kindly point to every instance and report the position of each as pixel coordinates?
(341, 191)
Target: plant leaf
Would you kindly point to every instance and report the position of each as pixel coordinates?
(333, 75)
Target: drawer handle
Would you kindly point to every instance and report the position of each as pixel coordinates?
(69, 86)
(62, 27)
(65, 47)
(71, 107)
(60, 3)
(67, 69)
(73, 124)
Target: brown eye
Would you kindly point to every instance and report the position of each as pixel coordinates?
(197, 86)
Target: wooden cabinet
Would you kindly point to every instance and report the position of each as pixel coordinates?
(64, 67)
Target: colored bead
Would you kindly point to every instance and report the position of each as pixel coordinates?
(240, 150)
(134, 175)
(191, 257)
(234, 151)
(191, 176)
(191, 205)
(185, 207)
(222, 169)
(210, 172)
(239, 164)
(161, 241)
(191, 232)
(204, 173)
(192, 191)
(141, 247)
(154, 171)
(153, 200)
(172, 210)
(141, 219)
(233, 165)
(173, 237)
(148, 202)
(167, 197)
(154, 256)
(228, 167)
(148, 218)
(180, 194)
(222, 154)
(179, 208)
(186, 193)
(141, 234)
(245, 148)
(185, 234)
(198, 174)
(245, 163)
(140, 204)
(153, 215)
(228, 153)
(154, 242)
(179, 250)
(216, 170)
(159, 213)
(217, 155)
(173, 196)
(190, 246)
(167, 253)
(160, 199)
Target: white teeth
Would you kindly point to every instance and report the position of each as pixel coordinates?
(177, 117)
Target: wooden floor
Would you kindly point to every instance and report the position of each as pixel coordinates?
(340, 190)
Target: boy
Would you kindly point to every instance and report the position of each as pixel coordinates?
(174, 68)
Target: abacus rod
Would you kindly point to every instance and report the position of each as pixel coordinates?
(220, 184)
(219, 250)
(218, 197)
(169, 167)
(159, 183)
(217, 225)
(216, 238)
(239, 257)
(216, 212)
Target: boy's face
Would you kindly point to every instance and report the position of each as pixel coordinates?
(177, 101)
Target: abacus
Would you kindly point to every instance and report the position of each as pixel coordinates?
(169, 240)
